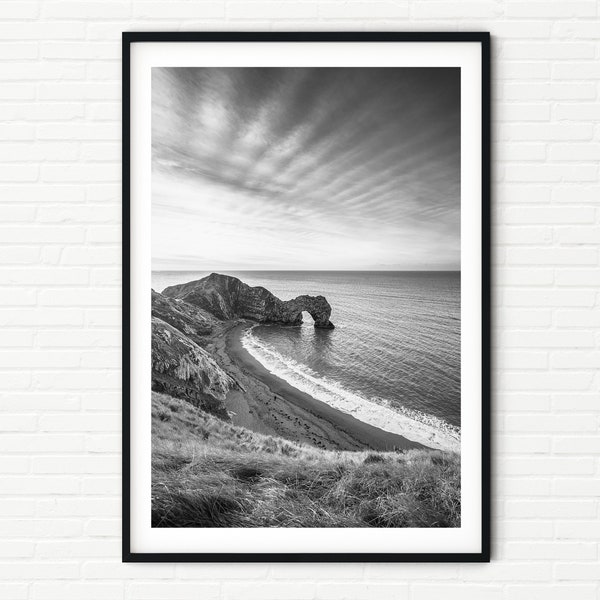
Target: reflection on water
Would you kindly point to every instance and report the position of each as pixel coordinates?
(313, 344)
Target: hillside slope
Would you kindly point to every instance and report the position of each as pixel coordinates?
(209, 473)
(183, 369)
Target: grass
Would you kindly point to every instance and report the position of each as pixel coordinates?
(209, 473)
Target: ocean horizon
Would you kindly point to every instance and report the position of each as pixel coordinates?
(395, 346)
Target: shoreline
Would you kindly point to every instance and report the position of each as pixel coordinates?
(419, 428)
(333, 424)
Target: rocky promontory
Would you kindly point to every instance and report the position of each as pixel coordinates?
(187, 318)
(227, 297)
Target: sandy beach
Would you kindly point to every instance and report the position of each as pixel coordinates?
(268, 404)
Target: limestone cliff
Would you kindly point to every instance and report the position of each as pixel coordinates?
(190, 320)
(183, 369)
(227, 297)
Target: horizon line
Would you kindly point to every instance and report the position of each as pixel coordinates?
(306, 270)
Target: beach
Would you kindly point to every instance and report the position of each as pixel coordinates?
(392, 361)
(269, 405)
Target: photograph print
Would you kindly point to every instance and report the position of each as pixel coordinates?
(305, 315)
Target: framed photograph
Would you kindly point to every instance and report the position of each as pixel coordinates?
(306, 297)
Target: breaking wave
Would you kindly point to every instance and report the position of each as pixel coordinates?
(379, 412)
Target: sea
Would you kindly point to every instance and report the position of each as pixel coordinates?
(393, 359)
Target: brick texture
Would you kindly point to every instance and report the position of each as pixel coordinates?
(60, 302)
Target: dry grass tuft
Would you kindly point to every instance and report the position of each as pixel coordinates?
(208, 473)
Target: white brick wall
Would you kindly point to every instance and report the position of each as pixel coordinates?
(60, 314)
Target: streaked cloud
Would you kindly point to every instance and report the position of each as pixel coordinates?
(328, 168)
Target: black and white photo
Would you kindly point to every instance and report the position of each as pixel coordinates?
(312, 364)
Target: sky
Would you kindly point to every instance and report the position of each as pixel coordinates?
(305, 168)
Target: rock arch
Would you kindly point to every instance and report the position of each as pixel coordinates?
(316, 306)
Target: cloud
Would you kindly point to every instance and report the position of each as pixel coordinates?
(328, 168)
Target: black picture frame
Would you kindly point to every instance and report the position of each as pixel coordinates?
(481, 38)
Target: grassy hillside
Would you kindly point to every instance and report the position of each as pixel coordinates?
(208, 473)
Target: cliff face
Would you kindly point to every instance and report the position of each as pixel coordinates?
(227, 297)
(190, 320)
(181, 368)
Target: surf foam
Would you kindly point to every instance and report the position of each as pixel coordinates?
(412, 424)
